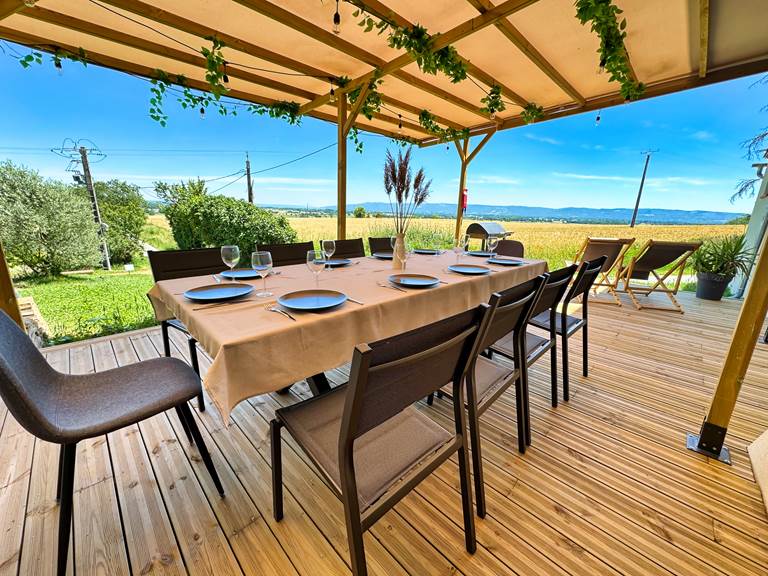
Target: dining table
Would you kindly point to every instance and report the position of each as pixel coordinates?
(256, 350)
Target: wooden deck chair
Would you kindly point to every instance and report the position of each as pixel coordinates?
(614, 250)
(653, 256)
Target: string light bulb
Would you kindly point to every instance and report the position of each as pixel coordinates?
(332, 97)
(337, 19)
(399, 123)
(601, 69)
(224, 76)
(30, 3)
(493, 115)
(58, 66)
(202, 112)
(597, 118)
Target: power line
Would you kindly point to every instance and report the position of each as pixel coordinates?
(229, 183)
(295, 159)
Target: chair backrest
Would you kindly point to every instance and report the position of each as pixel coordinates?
(511, 309)
(511, 248)
(29, 386)
(658, 254)
(287, 254)
(353, 248)
(380, 245)
(171, 264)
(585, 278)
(612, 248)
(389, 375)
(554, 289)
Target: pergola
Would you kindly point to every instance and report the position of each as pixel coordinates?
(536, 52)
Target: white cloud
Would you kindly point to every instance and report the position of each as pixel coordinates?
(545, 139)
(597, 147)
(704, 136)
(492, 179)
(656, 181)
(594, 177)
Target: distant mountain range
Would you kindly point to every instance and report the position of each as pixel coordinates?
(570, 214)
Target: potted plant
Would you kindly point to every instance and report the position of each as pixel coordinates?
(406, 193)
(716, 264)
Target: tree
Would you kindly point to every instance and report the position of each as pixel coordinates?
(45, 226)
(123, 210)
(359, 212)
(756, 148)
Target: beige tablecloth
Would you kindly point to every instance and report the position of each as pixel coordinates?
(256, 351)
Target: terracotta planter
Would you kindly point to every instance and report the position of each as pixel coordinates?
(398, 255)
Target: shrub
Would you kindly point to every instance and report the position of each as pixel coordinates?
(199, 220)
(359, 212)
(724, 256)
(123, 210)
(45, 226)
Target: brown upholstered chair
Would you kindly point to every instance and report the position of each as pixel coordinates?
(487, 380)
(536, 346)
(614, 250)
(369, 442)
(287, 254)
(653, 256)
(380, 244)
(353, 248)
(172, 264)
(510, 248)
(66, 409)
(569, 325)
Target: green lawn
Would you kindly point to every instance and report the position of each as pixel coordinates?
(87, 305)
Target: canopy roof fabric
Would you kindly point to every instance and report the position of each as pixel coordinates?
(535, 50)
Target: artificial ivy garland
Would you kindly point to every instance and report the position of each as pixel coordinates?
(492, 103)
(613, 53)
(428, 122)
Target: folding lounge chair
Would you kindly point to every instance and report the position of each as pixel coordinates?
(614, 250)
(652, 257)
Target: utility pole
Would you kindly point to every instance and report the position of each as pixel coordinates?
(95, 205)
(248, 174)
(642, 183)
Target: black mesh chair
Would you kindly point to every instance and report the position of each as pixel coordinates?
(368, 441)
(569, 325)
(353, 248)
(535, 346)
(510, 248)
(67, 409)
(380, 245)
(172, 264)
(287, 254)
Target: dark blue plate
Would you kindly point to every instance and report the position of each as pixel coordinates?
(336, 262)
(429, 251)
(505, 262)
(239, 274)
(481, 253)
(382, 255)
(414, 280)
(312, 300)
(470, 269)
(218, 292)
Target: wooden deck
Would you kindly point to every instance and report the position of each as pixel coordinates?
(607, 487)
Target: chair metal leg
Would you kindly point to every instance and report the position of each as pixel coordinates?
(431, 399)
(470, 539)
(277, 469)
(521, 443)
(356, 547)
(61, 471)
(566, 370)
(201, 448)
(184, 425)
(166, 340)
(765, 337)
(526, 408)
(69, 452)
(585, 351)
(196, 367)
(477, 461)
(553, 371)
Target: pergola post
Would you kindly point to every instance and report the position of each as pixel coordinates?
(711, 437)
(341, 172)
(465, 157)
(8, 302)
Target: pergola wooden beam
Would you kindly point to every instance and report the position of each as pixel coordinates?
(703, 37)
(465, 156)
(10, 7)
(441, 41)
(8, 302)
(522, 44)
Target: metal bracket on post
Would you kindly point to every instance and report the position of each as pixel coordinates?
(709, 441)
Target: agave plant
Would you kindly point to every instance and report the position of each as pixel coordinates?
(724, 256)
(405, 192)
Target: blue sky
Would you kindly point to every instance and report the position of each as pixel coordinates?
(567, 162)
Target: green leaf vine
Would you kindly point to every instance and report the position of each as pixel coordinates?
(372, 104)
(429, 123)
(493, 103)
(604, 16)
(532, 112)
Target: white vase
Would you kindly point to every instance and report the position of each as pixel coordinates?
(398, 254)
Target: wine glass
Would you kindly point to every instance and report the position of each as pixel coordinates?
(407, 253)
(315, 263)
(461, 246)
(329, 247)
(262, 264)
(492, 243)
(230, 255)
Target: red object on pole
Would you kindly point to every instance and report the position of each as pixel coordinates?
(464, 200)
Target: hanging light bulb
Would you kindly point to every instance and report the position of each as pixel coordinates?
(58, 66)
(202, 112)
(597, 118)
(337, 19)
(399, 123)
(601, 69)
(224, 76)
(332, 97)
(30, 3)
(493, 115)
